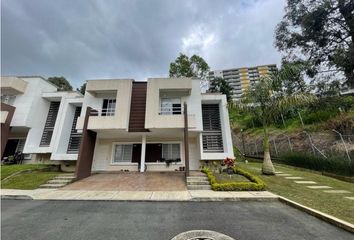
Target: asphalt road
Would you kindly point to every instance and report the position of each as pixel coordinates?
(29, 219)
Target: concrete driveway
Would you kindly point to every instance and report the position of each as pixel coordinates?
(131, 181)
(58, 220)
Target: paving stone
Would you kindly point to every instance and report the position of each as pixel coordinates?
(294, 178)
(96, 195)
(336, 191)
(279, 172)
(306, 182)
(170, 195)
(319, 187)
(133, 195)
(284, 175)
(350, 198)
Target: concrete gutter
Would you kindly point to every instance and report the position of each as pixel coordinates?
(323, 216)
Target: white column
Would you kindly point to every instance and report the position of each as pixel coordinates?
(143, 150)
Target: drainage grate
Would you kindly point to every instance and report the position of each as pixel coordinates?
(201, 235)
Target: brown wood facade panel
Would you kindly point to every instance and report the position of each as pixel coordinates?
(138, 107)
(5, 127)
(86, 151)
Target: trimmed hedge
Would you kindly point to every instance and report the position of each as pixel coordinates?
(256, 183)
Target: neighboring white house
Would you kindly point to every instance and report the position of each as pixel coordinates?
(42, 121)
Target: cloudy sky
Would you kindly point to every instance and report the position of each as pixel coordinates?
(88, 39)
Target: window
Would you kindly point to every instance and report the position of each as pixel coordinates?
(8, 99)
(170, 106)
(122, 153)
(108, 107)
(212, 134)
(50, 123)
(20, 147)
(171, 151)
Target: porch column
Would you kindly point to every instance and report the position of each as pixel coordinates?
(143, 151)
(185, 138)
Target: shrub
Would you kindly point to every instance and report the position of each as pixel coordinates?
(256, 183)
(336, 165)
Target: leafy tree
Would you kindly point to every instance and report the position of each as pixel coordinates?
(327, 90)
(61, 82)
(266, 100)
(184, 66)
(82, 89)
(222, 86)
(320, 33)
(294, 81)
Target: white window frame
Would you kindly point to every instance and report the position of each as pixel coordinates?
(170, 152)
(168, 142)
(113, 162)
(109, 111)
(168, 108)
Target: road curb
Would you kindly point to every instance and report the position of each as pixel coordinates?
(323, 216)
(16, 197)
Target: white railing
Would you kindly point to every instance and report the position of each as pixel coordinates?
(103, 112)
(175, 110)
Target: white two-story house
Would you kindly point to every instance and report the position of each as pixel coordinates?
(163, 124)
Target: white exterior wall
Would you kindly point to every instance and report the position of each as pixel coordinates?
(96, 91)
(30, 106)
(61, 139)
(225, 129)
(103, 154)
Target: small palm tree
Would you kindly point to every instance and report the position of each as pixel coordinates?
(265, 100)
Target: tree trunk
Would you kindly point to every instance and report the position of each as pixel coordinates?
(267, 167)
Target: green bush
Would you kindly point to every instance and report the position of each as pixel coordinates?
(336, 165)
(319, 116)
(256, 183)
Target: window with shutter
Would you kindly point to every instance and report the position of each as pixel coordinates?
(212, 134)
(75, 137)
(50, 123)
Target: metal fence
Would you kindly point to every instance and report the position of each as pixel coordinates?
(324, 144)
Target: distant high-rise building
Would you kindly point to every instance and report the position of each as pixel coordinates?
(240, 79)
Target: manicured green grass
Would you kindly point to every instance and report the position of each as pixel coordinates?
(331, 203)
(28, 180)
(226, 178)
(7, 170)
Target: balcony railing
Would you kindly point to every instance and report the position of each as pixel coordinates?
(173, 110)
(103, 112)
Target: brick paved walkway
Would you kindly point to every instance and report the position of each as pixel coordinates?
(131, 181)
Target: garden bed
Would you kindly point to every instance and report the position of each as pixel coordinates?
(251, 183)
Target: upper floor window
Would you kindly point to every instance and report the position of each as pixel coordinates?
(108, 107)
(8, 99)
(170, 106)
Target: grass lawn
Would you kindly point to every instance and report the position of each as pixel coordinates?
(225, 178)
(331, 203)
(28, 180)
(7, 170)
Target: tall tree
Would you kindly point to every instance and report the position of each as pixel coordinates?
(194, 66)
(321, 33)
(293, 77)
(61, 82)
(221, 85)
(82, 89)
(266, 100)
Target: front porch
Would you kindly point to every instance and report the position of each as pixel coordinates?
(131, 181)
